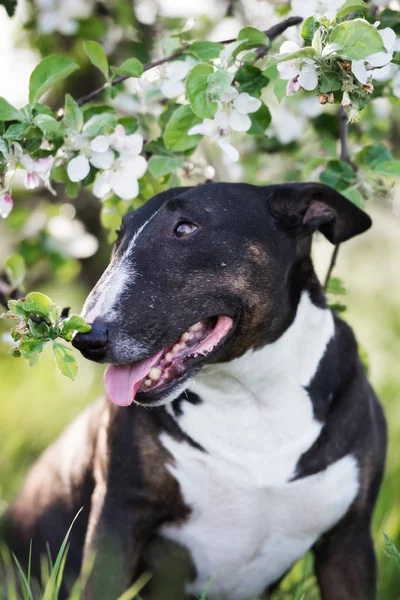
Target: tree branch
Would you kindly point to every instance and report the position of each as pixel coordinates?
(345, 157)
(272, 33)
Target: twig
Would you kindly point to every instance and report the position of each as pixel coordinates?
(345, 157)
(272, 33)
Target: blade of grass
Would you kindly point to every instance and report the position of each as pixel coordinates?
(136, 587)
(11, 585)
(26, 590)
(30, 564)
(51, 587)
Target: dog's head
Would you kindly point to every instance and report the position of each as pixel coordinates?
(203, 274)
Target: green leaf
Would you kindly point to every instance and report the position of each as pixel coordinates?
(30, 350)
(251, 80)
(197, 91)
(75, 323)
(130, 124)
(99, 124)
(308, 29)
(39, 330)
(251, 38)
(396, 58)
(330, 81)
(97, 56)
(388, 167)
(351, 6)
(205, 51)
(16, 308)
(391, 551)
(37, 303)
(65, 360)
(49, 125)
(73, 117)
(353, 195)
(162, 165)
(15, 270)
(218, 83)
(356, 40)
(16, 131)
(338, 175)
(48, 72)
(335, 286)
(176, 136)
(10, 6)
(131, 67)
(307, 52)
(260, 120)
(372, 155)
(8, 112)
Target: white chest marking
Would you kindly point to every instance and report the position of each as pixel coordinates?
(249, 522)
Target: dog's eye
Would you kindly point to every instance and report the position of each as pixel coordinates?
(184, 229)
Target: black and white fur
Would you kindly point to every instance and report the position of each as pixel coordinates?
(271, 445)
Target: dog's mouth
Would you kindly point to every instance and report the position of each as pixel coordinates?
(169, 367)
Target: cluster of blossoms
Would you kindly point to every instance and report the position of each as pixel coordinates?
(62, 16)
(304, 72)
(37, 172)
(232, 115)
(118, 158)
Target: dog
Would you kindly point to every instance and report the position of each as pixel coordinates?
(242, 431)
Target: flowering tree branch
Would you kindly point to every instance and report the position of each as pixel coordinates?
(345, 157)
(272, 33)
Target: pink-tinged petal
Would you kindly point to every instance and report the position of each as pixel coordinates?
(308, 78)
(229, 150)
(293, 86)
(359, 70)
(27, 162)
(172, 89)
(6, 205)
(32, 181)
(78, 168)
(246, 104)
(125, 185)
(102, 185)
(43, 165)
(120, 131)
(239, 122)
(99, 144)
(102, 160)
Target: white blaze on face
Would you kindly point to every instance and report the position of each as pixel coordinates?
(104, 300)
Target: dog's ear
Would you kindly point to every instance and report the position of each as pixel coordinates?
(306, 207)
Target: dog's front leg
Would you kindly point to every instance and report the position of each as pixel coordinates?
(112, 547)
(345, 563)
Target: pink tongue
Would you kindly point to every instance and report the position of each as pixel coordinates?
(123, 381)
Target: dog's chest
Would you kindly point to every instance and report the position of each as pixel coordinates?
(249, 523)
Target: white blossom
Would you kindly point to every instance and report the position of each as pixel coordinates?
(232, 115)
(362, 69)
(37, 170)
(173, 81)
(300, 72)
(285, 124)
(316, 8)
(123, 174)
(97, 152)
(6, 204)
(62, 15)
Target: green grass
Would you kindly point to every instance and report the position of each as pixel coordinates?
(36, 404)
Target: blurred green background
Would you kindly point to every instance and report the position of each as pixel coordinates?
(36, 404)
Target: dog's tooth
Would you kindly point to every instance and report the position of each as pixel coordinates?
(186, 337)
(154, 374)
(195, 327)
(169, 356)
(177, 348)
(148, 382)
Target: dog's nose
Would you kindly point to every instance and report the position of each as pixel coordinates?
(92, 344)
